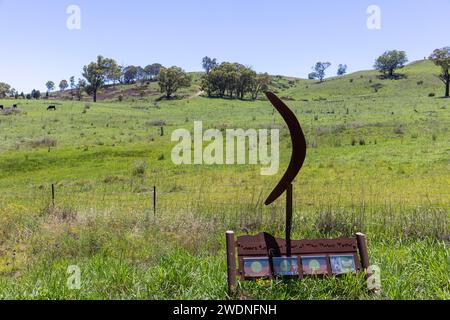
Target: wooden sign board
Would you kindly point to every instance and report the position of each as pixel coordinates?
(265, 257)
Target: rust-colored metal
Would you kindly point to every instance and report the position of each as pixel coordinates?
(297, 160)
(265, 245)
(298, 148)
(231, 262)
(289, 214)
(363, 252)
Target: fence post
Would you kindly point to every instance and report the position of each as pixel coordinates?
(231, 262)
(154, 202)
(53, 194)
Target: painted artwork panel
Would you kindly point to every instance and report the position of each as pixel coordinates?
(316, 265)
(257, 267)
(341, 264)
(285, 267)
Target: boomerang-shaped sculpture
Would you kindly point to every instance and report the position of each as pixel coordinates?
(297, 159)
(298, 148)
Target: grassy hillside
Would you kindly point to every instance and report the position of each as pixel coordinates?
(378, 162)
(139, 90)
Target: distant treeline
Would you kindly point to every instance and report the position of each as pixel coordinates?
(231, 80)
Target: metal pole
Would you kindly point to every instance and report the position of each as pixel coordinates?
(363, 252)
(53, 194)
(289, 214)
(154, 202)
(231, 262)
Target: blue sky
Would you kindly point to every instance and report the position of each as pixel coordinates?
(280, 37)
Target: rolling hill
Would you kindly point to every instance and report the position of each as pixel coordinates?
(378, 162)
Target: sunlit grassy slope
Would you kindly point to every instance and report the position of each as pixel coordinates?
(378, 162)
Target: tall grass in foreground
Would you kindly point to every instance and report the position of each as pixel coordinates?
(130, 254)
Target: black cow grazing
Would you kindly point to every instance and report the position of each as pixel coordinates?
(14, 106)
(51, 108)
(1, 107)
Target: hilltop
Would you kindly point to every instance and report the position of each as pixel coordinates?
(418, 76)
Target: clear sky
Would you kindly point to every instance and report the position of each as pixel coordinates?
(280, 37)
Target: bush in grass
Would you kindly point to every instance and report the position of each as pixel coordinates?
(44, 142)
(399, 129)
(139, 168)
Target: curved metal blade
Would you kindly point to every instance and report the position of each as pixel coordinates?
(298, 148)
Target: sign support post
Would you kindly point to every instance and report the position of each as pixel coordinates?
(289, 214)
(231, 262)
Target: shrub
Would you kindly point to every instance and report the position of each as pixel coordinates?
(399, 129)
(44, 142)
(156, 123)
(139, 168)
(432, 94)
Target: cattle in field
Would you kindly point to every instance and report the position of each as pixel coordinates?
(14, 106)
(52, 107)
(1, 107)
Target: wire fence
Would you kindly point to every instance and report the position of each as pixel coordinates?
(241, 207)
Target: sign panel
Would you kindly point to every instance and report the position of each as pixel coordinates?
(341, 264)
(285, 267)
(258, 267)
(315, 265)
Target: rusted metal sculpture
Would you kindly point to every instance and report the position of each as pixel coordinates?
(297, 160)
(264, 256)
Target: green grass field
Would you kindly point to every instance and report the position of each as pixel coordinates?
(378, 162)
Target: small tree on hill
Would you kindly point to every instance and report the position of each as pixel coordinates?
(96, 75)
(209, 64)
(441, 58)
(172, 79)
(391, 61)
(342, 69)
(50, 87)
(72, 86)
(130, 74)
(4, 89)
(79, 88)
(152, 70)
(260, 84)
(63, 85)
(319, 70)
(113, 71)
(35, 94)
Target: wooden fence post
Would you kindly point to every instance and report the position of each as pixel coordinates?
(231, 262)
